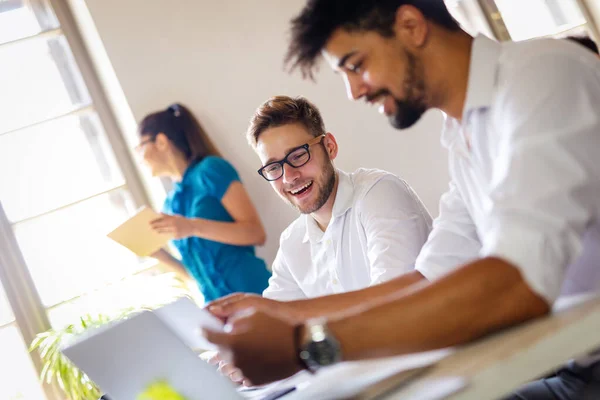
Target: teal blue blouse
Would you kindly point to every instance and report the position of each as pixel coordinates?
(218, 268)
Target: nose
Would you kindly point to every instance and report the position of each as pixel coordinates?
(355, 87)
(290, 174)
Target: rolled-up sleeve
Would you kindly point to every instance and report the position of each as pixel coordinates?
(453, 240)
(545, 187)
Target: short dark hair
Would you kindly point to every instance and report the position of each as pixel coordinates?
(585, 41)
(183, 129)
(315, 24)
(284, 110)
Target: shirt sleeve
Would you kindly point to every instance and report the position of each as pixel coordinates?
(282, 285)
(545, 187)
(216, 175)
(453, 240)
(396, 226)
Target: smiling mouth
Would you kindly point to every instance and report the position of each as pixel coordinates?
(378, 101)
(301, 189)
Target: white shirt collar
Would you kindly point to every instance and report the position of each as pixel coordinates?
(483, 71)
(341, 204)
(381, 225)
(483, 75)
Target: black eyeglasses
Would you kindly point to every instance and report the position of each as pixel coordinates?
(295, 158)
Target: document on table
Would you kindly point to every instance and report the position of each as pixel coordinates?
(363, 380)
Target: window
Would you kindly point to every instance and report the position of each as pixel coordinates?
(62, 189)
(552, 17)
(18, 377)
(520, 20)
(470, 16)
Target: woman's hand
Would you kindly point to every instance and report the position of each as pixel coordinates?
(174, 225)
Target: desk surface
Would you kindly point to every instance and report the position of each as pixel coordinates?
(496, 365)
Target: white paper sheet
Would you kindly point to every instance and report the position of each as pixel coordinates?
(436, 389)
(351, 378)
(185, 319)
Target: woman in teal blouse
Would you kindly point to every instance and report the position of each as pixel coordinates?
(208, 212)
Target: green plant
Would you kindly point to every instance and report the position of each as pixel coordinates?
(57, 368)
(74, 383)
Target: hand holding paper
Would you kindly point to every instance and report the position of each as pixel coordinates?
(175, 226)
(137, 234)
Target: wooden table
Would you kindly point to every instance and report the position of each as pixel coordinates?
(496, 365)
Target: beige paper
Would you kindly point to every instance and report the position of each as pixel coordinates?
(137, 235)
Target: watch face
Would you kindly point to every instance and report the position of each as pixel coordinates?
(322, 352)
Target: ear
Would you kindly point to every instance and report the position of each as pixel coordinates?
(161, 141)
(331, 145)
(411, 26)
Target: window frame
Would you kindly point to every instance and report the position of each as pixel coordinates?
(501, 32)
(30, 315)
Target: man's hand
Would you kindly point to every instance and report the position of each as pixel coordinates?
(225, 307)
(260, 344)
(228, 369)
(175, 225)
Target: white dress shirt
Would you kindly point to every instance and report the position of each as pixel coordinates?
(377, 229)
(524, 167)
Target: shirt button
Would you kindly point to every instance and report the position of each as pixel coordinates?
(335, 281)
(328, 242)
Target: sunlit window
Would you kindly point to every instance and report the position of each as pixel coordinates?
(61, 188)
(534, 18)
(18, 377)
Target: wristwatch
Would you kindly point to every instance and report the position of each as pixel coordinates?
(318, 347)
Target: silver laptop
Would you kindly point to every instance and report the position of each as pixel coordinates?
(125, 357)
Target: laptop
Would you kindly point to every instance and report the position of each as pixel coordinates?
(124, 358)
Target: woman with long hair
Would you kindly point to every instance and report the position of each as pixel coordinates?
(208, 212)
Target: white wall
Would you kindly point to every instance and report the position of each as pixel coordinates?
(224, 58)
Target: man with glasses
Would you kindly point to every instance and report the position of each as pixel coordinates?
(356, 229)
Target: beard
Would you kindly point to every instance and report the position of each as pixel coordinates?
(411, 109)
(324, 189)
(406, 115)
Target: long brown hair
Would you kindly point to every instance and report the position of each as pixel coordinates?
(183, 130)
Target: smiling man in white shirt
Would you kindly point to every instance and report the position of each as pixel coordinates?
(355, 229)
(523, 133)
